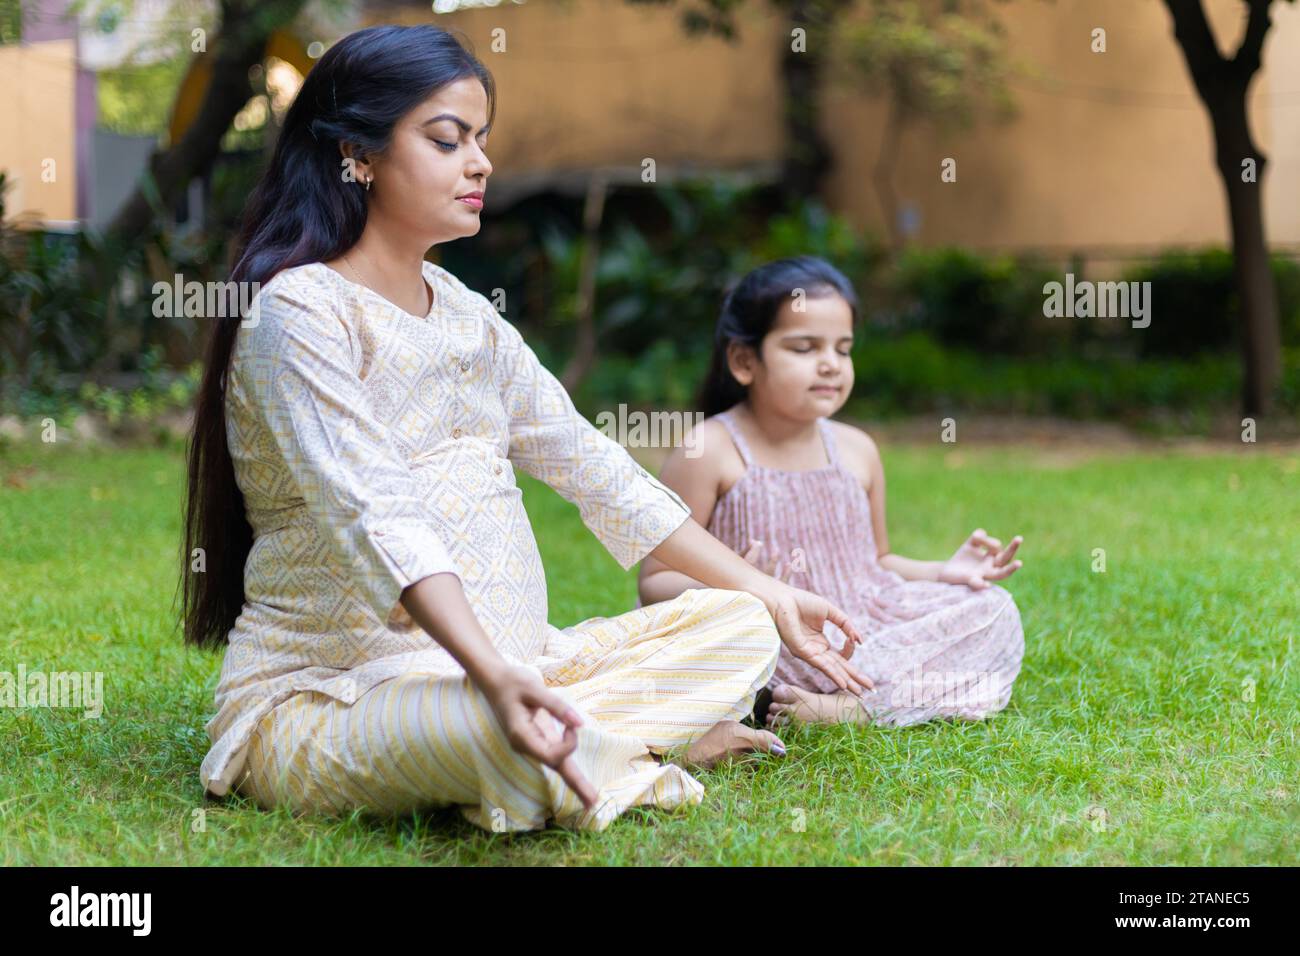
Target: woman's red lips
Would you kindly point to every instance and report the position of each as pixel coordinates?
(474, 199)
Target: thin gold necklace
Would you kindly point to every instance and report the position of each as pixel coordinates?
(432, 291)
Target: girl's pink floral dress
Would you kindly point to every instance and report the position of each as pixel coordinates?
(932, 649)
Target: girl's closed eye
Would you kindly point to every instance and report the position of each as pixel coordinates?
(845, 351)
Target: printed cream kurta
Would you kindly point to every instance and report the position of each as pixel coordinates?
(373, 448)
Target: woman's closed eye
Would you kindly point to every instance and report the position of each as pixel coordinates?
(452, 147)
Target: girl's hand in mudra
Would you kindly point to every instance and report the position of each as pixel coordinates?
(800, 617)
(525, 706)
(980, 560)
(777, 567)
(754, 557)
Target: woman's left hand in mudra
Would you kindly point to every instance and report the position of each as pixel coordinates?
(800, 617)
(980, 560)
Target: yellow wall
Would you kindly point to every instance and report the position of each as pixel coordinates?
(1108, 150)
(37, 117)
(589, 83)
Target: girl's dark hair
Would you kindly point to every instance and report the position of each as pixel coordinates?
(303, 210)
(749, 312)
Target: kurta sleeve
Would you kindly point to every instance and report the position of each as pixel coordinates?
(625, 507)
(299, 367)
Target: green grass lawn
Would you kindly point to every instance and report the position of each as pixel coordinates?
(1154, 720)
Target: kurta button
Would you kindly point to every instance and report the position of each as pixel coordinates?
(464, 366)
(497, 469)
(455, 433)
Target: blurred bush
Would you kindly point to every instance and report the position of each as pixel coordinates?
(661, 377)
(913, 373)
(944, 328)
(77, 311)
(969, 300)
(1194, 305)
(664, 271)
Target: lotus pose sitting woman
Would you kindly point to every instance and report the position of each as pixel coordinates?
(368, 558)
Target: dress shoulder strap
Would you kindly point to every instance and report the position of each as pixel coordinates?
(828, 439)
(734, 432)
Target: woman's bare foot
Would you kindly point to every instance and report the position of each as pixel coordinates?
(790, 703)
(727, 739)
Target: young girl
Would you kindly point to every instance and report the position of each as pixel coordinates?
(355, 533)
(804, 497)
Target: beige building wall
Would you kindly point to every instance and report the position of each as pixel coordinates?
(37, 122)
(585, 83)
(1109, 151)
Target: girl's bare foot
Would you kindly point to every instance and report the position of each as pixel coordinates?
(791, 703)
(727, 739)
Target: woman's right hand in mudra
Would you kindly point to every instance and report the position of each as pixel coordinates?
(525, 706)
(800, 617)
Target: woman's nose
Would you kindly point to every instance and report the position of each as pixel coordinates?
(479, 164)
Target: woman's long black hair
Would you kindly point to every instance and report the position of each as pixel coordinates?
(302, 211)
(749, 312)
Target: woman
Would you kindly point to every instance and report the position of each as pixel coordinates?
(368, 557)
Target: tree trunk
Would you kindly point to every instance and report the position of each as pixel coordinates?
(891, 137)
(807, 157)
(1222, 85)
(1259, 334)
(584, 352)
(245, 28)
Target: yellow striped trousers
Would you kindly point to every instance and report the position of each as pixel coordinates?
(646, 681)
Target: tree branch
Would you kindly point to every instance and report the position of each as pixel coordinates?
(1247, 58)
(1196, 40)
(240, 43)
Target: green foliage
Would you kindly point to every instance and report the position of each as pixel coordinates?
(812, 230)
(667, 281)
(940, 62)
(138, 100)
(946, 328)
(159, 390)
(75, 309)
(659, 376)
(970, 300)
(129, 414)
(49, 318)
(11, 21)
(1195, 307)
(914, 374)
